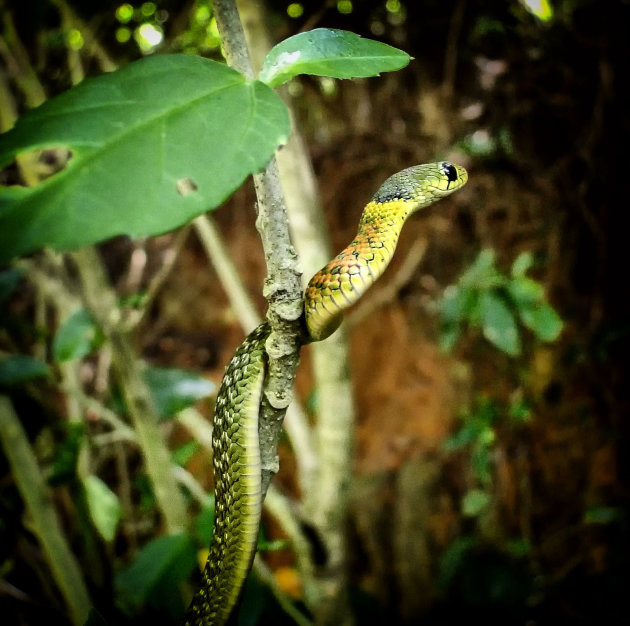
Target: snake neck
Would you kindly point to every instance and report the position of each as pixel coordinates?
(338, 285)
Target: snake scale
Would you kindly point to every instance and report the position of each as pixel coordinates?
(236, 453)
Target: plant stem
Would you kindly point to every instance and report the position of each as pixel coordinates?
(32, 486)
(100, 300)
(282, 285)
(325, 478)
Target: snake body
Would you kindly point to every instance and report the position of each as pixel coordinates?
(236, 453)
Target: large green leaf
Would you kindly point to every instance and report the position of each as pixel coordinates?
(153, 145)
(327, 52)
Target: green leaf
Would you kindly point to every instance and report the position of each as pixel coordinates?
(453, 557)
(256, 598)
(95, 619)
(543, 321)
(66, 454)
(522, 264)
(77, 337)
(185, 452)
(103, 505)
(519, 411)
(482, 273)
(163, 563)
(457, 303)
(9, 280)
(327, 52)
(174, 389)
(20, 368)
(525, 291)
(601, 515)
(498, 323)
(519, 548)
(468, 433)
(449, 334)
(153, 145)
(480, 459)
(204, 523)
(474, 502)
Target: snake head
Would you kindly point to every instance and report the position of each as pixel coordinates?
(422, 184)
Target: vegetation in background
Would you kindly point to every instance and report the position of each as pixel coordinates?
(527, 512)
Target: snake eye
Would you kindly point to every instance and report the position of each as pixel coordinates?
(448, 169)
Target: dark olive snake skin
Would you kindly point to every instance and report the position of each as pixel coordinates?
(236, 453)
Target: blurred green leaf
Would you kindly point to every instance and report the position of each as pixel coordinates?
(601, 515)
(152, 146)
(457, 303)
(480, 144)
(474, 502)
(174, 389)
(498, 323)
(520, 411)
(95, 619)
(480, 459)
(328, 52)
(522, 264)
(256, 598)
(76, 338)
(463, 437)
(66, 454)
(482, 273)
(103, 505)
(457, 306)
(185, 452)
(203, 524)
(519, 548)
(453, 557)
(264, 544)
(163, 563)
(9, 280)
(20, 368)
(449, 334)
(143, 487)
(543, 321)
(525, 291)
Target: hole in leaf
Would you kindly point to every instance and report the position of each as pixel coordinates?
(186, 186)
(35, 166)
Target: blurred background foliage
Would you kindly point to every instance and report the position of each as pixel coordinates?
(491, 481)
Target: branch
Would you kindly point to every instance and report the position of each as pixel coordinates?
(282, 285)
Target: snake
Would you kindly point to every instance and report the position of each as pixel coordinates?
(235, 445)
